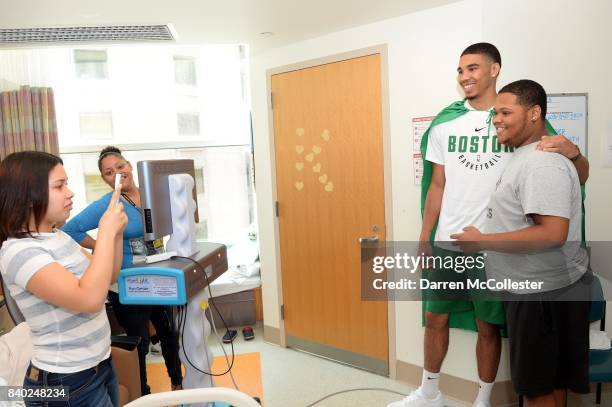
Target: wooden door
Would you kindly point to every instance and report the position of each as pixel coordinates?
(330, 189)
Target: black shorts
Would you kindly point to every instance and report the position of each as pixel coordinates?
(549, 346)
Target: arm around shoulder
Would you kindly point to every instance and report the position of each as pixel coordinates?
(582, 167)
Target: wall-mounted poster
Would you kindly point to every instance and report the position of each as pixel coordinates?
(419, 127)
(568, 114)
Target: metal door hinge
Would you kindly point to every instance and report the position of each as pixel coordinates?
(282, 312)
(276, 210)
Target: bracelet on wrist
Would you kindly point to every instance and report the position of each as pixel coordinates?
(577, 156)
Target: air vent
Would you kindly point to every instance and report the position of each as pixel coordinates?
(89, 34)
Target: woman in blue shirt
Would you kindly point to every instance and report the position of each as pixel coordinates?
(133, 318)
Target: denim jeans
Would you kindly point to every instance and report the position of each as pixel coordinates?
(96, 386)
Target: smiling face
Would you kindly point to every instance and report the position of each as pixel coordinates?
(113, 164)
(476, 75)
(60, 199)
(514, 122)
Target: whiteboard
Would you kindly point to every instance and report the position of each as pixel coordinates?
(568, 114)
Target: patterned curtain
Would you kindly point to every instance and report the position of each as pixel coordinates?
(27, 121)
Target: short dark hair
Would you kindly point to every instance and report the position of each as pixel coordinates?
(529, 93)
(24, 191)
(484, 48)
(106, 151)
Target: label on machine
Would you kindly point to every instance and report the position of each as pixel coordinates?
(151, 286)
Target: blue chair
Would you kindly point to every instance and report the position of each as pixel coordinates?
(600, 361)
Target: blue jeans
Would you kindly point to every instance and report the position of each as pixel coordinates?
(96, 386)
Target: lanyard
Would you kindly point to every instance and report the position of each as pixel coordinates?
(129, 200)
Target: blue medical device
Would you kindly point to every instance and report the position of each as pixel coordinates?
(172, 281)
(152, 286)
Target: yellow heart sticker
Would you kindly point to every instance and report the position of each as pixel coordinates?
(309, 157)
(329, 187)
(299, 185)
(316, 167)
(299, 166)
(323, 178)
(316, 149)
(325, 135)
(299, 131)
(299, 149)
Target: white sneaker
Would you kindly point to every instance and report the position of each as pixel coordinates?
(155, 349)
(478, 403)
(417, 399)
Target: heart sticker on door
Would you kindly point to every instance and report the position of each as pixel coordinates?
(325, 135)
(299, 185)
(299, 166)
(316, 167)
(323, 178)
(299, 149)
(329, 186)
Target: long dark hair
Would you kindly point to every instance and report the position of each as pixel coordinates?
(24, 191)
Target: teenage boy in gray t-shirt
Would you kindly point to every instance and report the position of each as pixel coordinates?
(533, 228)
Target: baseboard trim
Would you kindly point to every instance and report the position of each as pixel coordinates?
(343, 356)
(272, 335)
(456, 388)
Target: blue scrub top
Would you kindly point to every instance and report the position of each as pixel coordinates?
(133, 235)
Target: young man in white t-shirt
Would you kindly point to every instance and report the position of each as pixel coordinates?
(467, 161)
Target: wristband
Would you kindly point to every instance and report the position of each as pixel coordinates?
(577, 156)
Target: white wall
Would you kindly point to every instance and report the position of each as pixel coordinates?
(423, 51)
(565, 46)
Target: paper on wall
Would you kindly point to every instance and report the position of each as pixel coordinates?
(419, 127)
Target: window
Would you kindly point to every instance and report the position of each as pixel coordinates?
(185, 70)
(141, 98)
(189, 124)
(95, 187)
(90, 64)
(223, 180)
(96, 125)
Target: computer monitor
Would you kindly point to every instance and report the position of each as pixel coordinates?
(155, 194)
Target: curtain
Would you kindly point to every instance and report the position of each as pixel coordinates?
(27, 121)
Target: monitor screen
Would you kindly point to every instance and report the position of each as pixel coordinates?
(155, 194)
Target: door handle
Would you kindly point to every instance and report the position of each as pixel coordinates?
(373, 239)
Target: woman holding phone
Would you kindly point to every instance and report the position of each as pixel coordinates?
(59, 287)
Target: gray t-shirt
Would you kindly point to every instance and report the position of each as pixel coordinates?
(537, 182)
(64, 341)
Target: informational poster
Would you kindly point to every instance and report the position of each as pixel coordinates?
(568, 114)
(419, 127)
